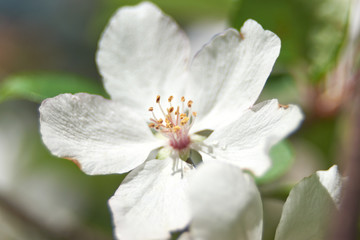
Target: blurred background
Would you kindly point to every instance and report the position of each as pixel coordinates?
(48, 48)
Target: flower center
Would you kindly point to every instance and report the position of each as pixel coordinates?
(176, 123)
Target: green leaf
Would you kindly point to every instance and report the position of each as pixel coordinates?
(279, 16)
(39, 86)
(282, 158)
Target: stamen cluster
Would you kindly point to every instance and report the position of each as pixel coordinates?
(176, 123)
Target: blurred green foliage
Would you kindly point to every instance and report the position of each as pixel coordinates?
(324, 136)
(311, 32)
(184, 11)
(38, 86)
(282, 86)
(282, 158)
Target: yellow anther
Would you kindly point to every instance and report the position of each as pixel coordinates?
(183, 115)
(184, 121)
(190, 103)
(176, 128)
(170, 126)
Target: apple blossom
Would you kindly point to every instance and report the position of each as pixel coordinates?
(163, 110)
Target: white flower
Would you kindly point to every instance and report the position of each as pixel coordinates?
(226, 204)
(160, 101)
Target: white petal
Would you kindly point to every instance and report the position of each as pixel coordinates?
(230, 72)
(103, 136)
(151, 201)
(332, 181)
(247, 141)
(142, 53)
(225, 204)
(310, 207)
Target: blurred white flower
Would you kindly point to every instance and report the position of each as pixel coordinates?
(12, 159)
(33, 191)
(225, 204)
(143, 56)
